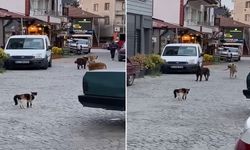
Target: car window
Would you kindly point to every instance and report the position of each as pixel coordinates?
(180, 51)
(25, 43)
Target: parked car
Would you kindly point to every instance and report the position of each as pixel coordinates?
(80, 46)
(132, 71)
(181, 57)
(230, 54)
(122, 52)
(104, 89)
(28, 50)
(243, 142)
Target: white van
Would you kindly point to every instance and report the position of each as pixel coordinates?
(89, 37)
(32, 50)
(181, 57)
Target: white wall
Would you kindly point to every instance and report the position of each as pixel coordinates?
(17, 6)
(167, 10)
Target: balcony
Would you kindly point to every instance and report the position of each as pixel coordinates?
(45, 12)
(120, 12)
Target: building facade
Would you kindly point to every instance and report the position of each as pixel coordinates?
(197, 16)
(139, 26)
(113, 12)
(241, 11)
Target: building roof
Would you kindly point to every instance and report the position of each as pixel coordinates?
(79, 13)
(4, 13)
(208, 1)
(162, 24)
(229, 22)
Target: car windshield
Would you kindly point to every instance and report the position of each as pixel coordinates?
(82, 42)
(231, 49)
(25, 43)
(180, 51)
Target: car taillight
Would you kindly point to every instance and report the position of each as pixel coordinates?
(241, 145)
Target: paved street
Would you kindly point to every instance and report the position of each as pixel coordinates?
(210, 119)
(57, 119)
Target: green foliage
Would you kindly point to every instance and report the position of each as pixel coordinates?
(3, 55)
(57, 50)
(208, 58)
(140, 58)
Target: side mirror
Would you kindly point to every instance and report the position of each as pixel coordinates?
(49, 48)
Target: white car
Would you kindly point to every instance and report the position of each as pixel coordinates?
(230, 53)
(80, 46)
(28, 50)
(181, 57)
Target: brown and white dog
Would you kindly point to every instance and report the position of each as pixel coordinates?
(93, 65)
(25, 99)
(232, 70)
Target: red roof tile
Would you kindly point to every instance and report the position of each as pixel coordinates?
(5, 13)
(79, 13)
(229, 22)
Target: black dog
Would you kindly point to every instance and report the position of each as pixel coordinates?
(202, 71)
(81, 62)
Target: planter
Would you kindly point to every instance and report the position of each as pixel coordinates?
(141, 74)
(154, 71)
(56, 56)
(207, 63)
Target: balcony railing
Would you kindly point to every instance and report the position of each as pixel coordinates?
(195, 22)
(120, 12)
(45, 12)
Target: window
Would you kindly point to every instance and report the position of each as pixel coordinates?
(95, 7)
(25, 43)
(123, 5)
(247, 17)
(106, 6)
(106, 20)
(248, 4)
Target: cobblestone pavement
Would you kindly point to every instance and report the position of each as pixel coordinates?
(57, 120)
(210, 119)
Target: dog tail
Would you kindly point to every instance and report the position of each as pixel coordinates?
(15, 100)
(175, 95)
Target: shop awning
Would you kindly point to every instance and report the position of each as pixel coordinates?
(229, 22)
(4, 13)
(162, 24)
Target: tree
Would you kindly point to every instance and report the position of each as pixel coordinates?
(75, 4)
(222, 11)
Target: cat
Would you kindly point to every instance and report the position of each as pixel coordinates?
(202, 71)
(24, 98)
(182, 91)
(232, 70)
(81, 62)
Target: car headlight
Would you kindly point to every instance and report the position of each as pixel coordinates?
(39, 55)
(192, 61)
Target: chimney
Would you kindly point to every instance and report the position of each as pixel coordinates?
(181, 17)
(27, 7)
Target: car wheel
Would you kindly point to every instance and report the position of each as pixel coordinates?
(50, 62)
(130, 80)
(45, 64)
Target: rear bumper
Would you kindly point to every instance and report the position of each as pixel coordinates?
(109, 103)
(26, 62)
(179, 68)
(246, 93)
